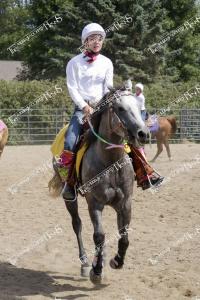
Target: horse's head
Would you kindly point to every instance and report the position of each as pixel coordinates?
(126, 112)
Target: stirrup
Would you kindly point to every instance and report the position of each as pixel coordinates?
(158, 181)
(152, 183)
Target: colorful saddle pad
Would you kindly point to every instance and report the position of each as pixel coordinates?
(153, 123)
(58, 146)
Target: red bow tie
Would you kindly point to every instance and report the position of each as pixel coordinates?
(92, 56)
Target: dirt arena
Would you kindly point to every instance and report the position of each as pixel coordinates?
(38, 249)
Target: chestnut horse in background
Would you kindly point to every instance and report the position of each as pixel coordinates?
(3, 136)
(166, 127)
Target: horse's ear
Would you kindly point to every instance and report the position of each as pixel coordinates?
(128, 85)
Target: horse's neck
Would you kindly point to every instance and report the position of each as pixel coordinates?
(105, 131)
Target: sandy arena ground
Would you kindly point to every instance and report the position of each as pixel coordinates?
(38, 249)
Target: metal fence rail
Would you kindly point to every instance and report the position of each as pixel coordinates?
(41, 126)
(35, 126)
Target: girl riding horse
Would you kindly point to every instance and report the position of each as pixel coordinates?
(89, 76)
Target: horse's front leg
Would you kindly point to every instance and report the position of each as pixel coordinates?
(95, 211)
(72, 207)
(123, 221)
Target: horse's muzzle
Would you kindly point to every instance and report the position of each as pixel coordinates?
(142, 136)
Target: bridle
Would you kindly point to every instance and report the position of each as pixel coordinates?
(119, 125)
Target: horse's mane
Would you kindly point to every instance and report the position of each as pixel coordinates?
(89, 137)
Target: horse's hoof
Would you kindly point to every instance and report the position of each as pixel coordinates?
(114, 264)
(95, 279)
(170, 159)
(85, 270)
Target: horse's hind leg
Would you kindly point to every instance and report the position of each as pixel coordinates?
(123, 221)
(95, 211)
(72, 208)
(1, 150)
(166, 143)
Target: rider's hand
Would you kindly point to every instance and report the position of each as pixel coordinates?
(87, 110)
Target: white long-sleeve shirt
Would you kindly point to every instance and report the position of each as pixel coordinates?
(88, 81)
(140, 101)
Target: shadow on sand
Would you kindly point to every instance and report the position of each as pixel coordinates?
(16, 282)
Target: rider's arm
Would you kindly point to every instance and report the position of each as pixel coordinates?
(142, 102)
(73, 86)
(109, 77)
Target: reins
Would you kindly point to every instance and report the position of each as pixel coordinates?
(111, 145)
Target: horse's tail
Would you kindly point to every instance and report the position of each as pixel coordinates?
(55, 185)
(172, 121)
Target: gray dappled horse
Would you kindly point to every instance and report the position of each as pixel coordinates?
(113, 174)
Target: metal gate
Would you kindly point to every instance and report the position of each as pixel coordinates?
(190, 124)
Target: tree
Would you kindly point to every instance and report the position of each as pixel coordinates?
(46, 54)
(12, 27)
(131, 43)
(50, 51)
(136, 42)
(182, 55)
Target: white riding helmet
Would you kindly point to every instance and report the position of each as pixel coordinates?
(128, 85)
(92, 28)
(140, 86)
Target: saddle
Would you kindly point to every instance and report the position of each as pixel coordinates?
(152, 123)
(58, 146)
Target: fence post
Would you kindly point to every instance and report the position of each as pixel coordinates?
(180, 116)
(29, 133)
(56, 120)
